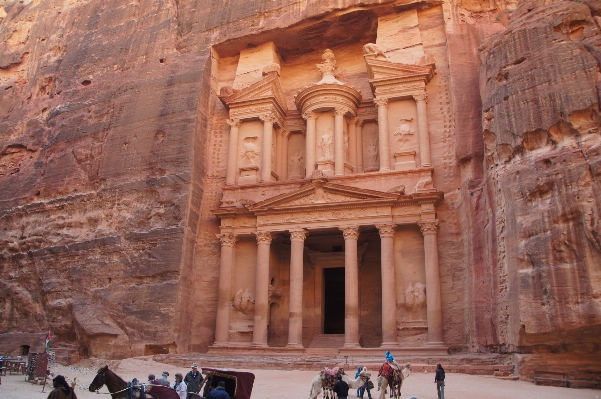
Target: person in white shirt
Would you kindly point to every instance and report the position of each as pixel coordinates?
(180, 386)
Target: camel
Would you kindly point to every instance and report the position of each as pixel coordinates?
(399, 378)
(317, 385)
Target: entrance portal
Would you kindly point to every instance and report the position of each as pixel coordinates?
(333, 315)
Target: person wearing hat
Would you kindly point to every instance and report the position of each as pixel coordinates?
(163, 379)
(219, 392)
(193, 380)
(61, 390)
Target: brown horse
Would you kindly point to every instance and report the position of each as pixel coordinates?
(118, 388)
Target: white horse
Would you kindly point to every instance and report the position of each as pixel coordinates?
(396, 391)
(317, 385)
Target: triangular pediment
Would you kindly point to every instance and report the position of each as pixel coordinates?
(382, 70)
(267, 88)
(323, 194)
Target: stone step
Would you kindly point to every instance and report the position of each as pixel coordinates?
(327, 341)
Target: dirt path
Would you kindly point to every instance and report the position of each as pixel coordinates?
(277, 384)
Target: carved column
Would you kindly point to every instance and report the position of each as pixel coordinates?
(262, 289)
(351, 283)
(284, 155)
(433, 302)
(352, 144)
(228, 241)
(389, 335)
(232, 156)
(268, 120)
(310, 117)
(382, 104)
(339, 140)
(359, 133)
(422, 127)
(295, 317)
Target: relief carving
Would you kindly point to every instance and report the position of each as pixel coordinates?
(424, 184)
(244, 302)
(274, 294)
(386, 230)
(325, 145)
(415, 297)
(350, 233)
(404, 132)
(381, 102)
(263, 237)
(372, 153)
(428, 226)
(296, 165)
(250, 151)
(227, 239)
(373, 49)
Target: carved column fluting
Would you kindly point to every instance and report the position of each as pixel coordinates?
(339, 140)
(382, 104)
(268, 120)
(389, 335)
(352, 144)
(228, 241)
(284, 155)
(351, 283)
(359, 134)
(433, 301)
(295, 317)
(232, 156)
(311, 118)
(262, 289)
(422, 127)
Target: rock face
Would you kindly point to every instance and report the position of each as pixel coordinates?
(540, 91)
(113, 147)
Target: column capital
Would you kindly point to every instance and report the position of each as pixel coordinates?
(381, 102)
(268, 117)
(340, 110)
(421, 97)
(428, 227)
(227, 239)
(310, 115)
(263, 237)
(358, 122)
(298, 235)
(285, 133)
(233, 122)
(350, 232)
(386, 230)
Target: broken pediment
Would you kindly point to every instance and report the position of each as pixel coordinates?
(323, 193)
(267, 89)
(396, 76)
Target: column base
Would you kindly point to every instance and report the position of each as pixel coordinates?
(295, 346)
(426, 165)
(390, 345)
(351, 345)
(384, 170)
(258, 345)
(434, 343)
(219, 345)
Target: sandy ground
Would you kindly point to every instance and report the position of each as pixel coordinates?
(277, 384)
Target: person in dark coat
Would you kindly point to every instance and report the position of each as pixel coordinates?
(341, 388)
(61, 390)
(193, 380)
(439, 380)
(219, 392)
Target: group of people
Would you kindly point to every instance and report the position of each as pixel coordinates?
(191, 383)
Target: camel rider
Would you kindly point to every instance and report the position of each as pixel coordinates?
(387, 370)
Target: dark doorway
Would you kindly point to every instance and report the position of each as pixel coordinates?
(333, 315)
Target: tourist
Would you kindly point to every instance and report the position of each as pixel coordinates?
(193, 379)
(360, 389)
(366, 382)
(341, 388)
(61, 390)
(152, 380)
(439, 380)
(163, 379)
(180, 386)
(219, 392)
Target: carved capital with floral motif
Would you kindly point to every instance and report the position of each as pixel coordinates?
(227, 239)
(358, 122)
(428, 226)
(269, 117)
(263, 237)
(421, 97)
(310, 115)
(350, 232)
(298, 235)
(341, 110)
(234, 122)
(386, 230)
(381, 102)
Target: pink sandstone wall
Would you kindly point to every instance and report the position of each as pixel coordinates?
(113, 147)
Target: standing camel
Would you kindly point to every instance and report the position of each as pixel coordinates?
(319, 383)
(396, 375)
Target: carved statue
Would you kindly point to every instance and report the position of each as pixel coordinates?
(244, 302)
(415, 296)
(328, 68)
(274, 294)
(326, 146)
(250, 150)
(373, 49)
(296, 165)
(346, 140)
(372, 152)
(404, 132)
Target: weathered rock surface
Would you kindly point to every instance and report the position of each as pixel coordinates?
(540, 92)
